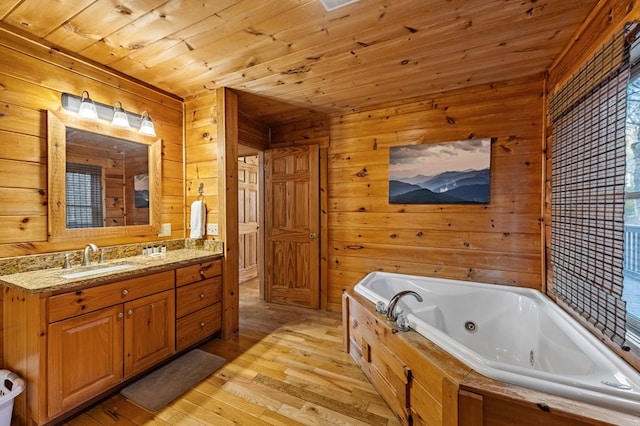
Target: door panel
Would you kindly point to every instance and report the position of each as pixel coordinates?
(248, 218)
(292, 222)
(85, 357)
(149, 331)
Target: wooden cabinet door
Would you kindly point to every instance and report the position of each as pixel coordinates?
(85, 357)
(292, 219)
(149, 331)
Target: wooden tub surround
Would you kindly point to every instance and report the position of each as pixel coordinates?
(424, 385)
(75, 341)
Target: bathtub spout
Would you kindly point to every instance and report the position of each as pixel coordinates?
(391, 315)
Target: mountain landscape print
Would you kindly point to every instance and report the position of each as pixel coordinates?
(456, 172)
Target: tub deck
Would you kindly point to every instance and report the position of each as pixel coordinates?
(482, 400)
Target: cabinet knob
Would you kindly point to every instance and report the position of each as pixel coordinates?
(125, 292)
(202, 325)
(201, 296)
(202, 274)
(130, 312)
(120, 315)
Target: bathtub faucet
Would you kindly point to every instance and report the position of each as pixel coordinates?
(391, 316)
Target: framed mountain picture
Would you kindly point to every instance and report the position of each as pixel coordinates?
(457, 172)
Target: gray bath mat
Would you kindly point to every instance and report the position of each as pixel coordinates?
(165, 384)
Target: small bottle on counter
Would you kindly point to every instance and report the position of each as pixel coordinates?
(163, 249)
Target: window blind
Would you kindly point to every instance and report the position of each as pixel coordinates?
(587, 118)
(84, 196)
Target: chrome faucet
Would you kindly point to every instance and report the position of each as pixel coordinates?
(86, 258)
(391, 316)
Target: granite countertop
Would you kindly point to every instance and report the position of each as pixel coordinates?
(49, 280)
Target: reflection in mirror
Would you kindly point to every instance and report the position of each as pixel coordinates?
(103, 182)
(107, 181)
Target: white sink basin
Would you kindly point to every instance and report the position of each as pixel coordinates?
(97, 271)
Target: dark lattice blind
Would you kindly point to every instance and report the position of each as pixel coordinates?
(587, 194)
(84, 196)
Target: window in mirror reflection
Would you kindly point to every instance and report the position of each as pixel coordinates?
(104, 172)
(84, 196)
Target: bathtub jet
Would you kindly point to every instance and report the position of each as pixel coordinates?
(511, 334)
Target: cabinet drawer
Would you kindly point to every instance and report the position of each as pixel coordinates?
(198, 326)
(196, 296)
(90, 299)
(197, 272)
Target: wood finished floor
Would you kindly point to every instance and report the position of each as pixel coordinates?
(286, 367)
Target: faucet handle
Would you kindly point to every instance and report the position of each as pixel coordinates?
(67, 262)
(101, 256)
(381, 307)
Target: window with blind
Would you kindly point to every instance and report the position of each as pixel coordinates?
(631, 291)
(84, 196)
(588, 116)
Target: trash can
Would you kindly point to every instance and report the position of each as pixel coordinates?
(10, 386)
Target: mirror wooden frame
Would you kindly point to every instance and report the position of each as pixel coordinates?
(56, 149)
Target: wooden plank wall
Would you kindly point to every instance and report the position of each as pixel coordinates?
(32, 78)
(498, 243)
(201, 155)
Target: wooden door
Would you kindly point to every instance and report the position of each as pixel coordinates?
(292, 219)
(149, 331)
(248, 217)
(85, 358)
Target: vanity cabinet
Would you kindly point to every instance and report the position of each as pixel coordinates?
(93, 351)
(198, 303)
(73, 346)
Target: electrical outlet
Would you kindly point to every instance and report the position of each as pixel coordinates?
(212, 229)
(165, 230)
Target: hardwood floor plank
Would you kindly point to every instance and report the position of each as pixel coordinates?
(337, 406)
(286, 367)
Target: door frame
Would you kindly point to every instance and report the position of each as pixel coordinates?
(228, 140)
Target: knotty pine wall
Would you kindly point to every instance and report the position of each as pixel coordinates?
(500, 242)
(32, 79)
(201, 155)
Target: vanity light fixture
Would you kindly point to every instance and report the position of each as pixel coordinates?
(120, 117)
(87, 109)
(146, 125)
(115, 114)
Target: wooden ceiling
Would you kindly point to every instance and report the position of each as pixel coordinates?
(291, 58)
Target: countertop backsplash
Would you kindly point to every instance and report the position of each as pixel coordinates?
(36, 262)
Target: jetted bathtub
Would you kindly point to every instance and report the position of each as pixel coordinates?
(514, 335)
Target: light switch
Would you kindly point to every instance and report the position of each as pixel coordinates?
(212, 229)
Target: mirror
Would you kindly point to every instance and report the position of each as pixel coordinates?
(103, 182)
